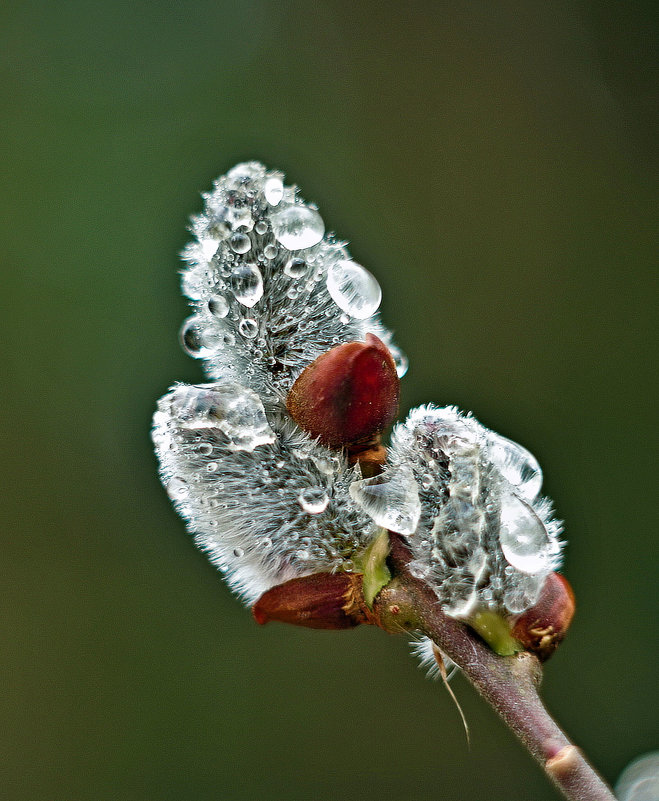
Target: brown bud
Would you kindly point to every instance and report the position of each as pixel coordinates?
(348, 394)
(319, 601)
(542, 627)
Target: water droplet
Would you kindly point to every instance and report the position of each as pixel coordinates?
(273, 189)
(390, 499)
(400, 360)
(270, 251)
(218, 306)
(302, 554)
(524, 540)
(639, 781)
(238, 552)
(266, 542)
(229, 407)
(211, 467)
(199, 339)
(313, 500)
(248, 328)
(240, 243)
(295, 268)
(297, 227)
(247, 284)
(353, 289)
(205, 449)
(517, 465)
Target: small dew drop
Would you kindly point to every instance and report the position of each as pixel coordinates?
(205, 449)
(295, 268)
(261, 227)
(211, 467)
(218, 306)
(273, 190)
(270, 251)
(400, 360)
(247, 284)
(353, 289)
(313, 500)
(238, 552)
(248, 327)
(297, 227)
(240, 243)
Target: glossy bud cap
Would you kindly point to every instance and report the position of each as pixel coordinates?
(348, 394)
(319, 601)
(542, 627)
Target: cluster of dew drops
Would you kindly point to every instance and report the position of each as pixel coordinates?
(270, 287)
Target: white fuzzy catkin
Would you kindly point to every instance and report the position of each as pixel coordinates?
(271, 291)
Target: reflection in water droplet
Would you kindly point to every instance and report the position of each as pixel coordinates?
(270, 251)
(247, 284)
(297, 227)
(516, 465)
(248, 328)
(390, 499)
(218, 306)
(524, 540)
(313, 500)
(295, 268)
(240, 243)
(353, 289)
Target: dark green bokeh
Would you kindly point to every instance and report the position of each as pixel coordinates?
(492, 164)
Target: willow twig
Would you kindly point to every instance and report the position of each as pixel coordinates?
(509, 683)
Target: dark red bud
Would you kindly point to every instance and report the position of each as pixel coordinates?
(348, 394)
(542, 627)
(320, 601)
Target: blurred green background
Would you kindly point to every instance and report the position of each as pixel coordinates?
(492, 164)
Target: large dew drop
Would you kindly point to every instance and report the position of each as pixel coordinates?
(200, 339)
(353, 289)
(517, 465)
(524, 539)
(297, 227)
(390, 499)
(247, 284)
(233, 409)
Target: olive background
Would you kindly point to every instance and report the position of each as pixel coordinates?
(494, 164)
